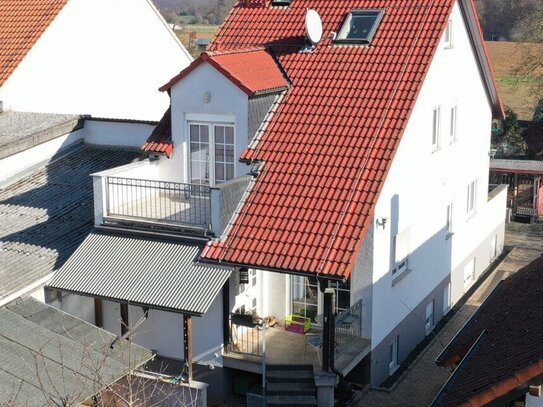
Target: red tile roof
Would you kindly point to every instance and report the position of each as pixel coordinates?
(160, 140)
(22, 22)
(252, 70)
(501, 346)
(330, 143)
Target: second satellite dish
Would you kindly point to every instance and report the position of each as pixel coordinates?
(313, 26)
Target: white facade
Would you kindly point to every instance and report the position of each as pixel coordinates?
(106, 58)
(423, 181)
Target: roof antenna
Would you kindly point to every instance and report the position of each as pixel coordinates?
(313, 29)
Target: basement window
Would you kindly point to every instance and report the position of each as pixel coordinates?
(360, 26)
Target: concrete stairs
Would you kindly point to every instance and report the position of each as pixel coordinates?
(290, 385)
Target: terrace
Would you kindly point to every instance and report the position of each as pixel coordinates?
(246, 347)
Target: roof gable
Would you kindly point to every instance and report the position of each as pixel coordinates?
(330, 143)
(253, 70)
(21, 25)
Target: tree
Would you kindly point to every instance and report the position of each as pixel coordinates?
(64, 374)
(507, 136)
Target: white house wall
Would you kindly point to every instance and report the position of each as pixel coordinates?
(106, 58)
(21, 164)
(117, 134)
(421, 182)
(228, 104)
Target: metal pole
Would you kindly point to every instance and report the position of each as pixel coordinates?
(264, 364)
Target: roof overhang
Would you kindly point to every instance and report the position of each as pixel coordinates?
(156, 272)
(469, 12)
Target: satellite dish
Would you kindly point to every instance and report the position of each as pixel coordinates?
(313, 26)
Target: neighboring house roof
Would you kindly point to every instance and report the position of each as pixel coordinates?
(533, 136)
(330, 143)
(47, 214)
(150, 271)
(160, 140)
(21, 25)
(516, 166)
(252, 70)
(48, 355)
(21, 130)
(501, 346)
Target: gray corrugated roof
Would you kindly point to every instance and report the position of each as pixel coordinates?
(517, 165)
(153, 272)
(22, 130)
(47, 354)
(45, 216)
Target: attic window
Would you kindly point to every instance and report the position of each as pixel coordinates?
(281, 2)
(360, 26)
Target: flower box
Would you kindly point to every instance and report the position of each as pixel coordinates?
(297, 323)
(243, 320)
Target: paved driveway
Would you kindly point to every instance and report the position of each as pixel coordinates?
(422, 381)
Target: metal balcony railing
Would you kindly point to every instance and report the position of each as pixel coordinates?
(158, 201)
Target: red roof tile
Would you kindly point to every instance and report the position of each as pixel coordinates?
(160, 140)
(331, 141)
(22, 22)
(252, 70)
(501, 346)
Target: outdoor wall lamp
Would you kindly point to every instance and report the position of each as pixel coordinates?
(382, 221)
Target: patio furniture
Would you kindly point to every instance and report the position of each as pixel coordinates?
(314, 340)
(297, 323)
(348, 321)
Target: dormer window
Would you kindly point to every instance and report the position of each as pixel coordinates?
(360, 26)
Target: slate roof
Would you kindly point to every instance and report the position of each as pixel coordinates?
(501, 346)
(47, 354)
(21, 24)
(331, 140)
(516, 166)
(143, 270)
(160, 140)
(252, 70)
(46, 215)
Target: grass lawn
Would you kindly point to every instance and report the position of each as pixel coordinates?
(518, 92)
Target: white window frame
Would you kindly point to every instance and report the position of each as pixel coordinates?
(447, 299)
(453, 125)
(211, 140)
(430, 317)
(393, 355)
(448, 36)
(436, 128)
(450, 220)
(401, 265)
(471, 203)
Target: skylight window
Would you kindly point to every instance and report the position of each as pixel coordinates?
(360, 26)
(281, 2)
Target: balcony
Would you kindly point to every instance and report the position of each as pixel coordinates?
(134, 196)
(171, 204)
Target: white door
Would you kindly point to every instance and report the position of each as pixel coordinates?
(429, 317)
(393, 355)
(469, 274)
(493, 247)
